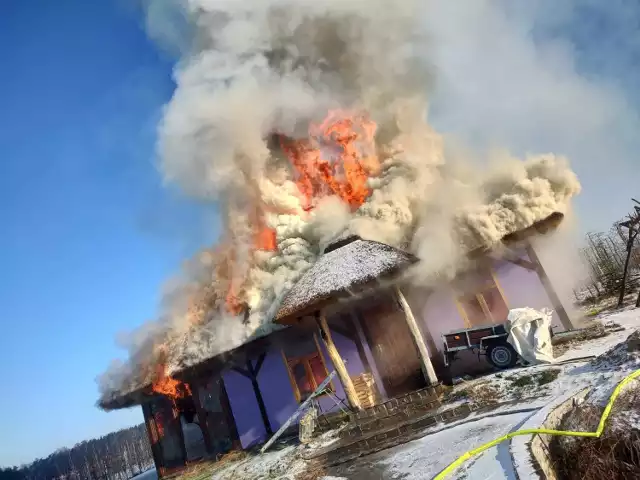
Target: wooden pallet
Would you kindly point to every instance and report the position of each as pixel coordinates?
(365, 390)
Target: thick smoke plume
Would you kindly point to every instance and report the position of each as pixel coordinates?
(263, 83)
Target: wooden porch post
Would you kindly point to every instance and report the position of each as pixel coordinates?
(423, 351)
(339, 365)
(548, 287)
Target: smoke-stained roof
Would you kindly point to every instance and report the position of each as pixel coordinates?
(355, 263)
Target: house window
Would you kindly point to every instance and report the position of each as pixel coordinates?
(306, 372)
(485, 304)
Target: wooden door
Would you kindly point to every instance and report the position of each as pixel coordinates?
(393, 348)
(218, 419)
(169, 433)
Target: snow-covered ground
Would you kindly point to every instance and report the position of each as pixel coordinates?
(426, 457)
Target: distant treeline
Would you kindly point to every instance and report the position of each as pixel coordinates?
(117, 456)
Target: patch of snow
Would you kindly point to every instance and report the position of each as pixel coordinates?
(325, 440)
(625, 420)
(283, 464)
(595, 347)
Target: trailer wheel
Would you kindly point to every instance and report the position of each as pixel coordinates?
(502, 355)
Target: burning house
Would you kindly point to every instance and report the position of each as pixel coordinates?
(349, 244)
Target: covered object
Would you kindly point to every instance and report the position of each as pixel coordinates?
(529, 334)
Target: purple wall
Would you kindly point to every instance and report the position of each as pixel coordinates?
(277, 391)
(244, 408)
(521, 288)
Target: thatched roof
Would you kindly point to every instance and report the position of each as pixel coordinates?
(344, 267)
(138, 382)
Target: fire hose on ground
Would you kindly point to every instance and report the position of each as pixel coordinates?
(533, 431)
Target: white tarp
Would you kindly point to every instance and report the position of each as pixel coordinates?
(529, 334)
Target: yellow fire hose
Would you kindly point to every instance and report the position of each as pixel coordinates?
(532, 431)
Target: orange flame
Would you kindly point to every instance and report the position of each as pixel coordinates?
(169, 386)
(337, 159)
(265, 237)
(165, 384)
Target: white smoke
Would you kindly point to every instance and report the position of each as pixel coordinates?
(261, 67)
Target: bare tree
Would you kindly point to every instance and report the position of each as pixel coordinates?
(632, 225)
(116, 456)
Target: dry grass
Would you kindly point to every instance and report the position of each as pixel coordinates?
(481, 394)
(314, 471)
(614, 455)
(536, 379)
(232, 456)
(204, 469)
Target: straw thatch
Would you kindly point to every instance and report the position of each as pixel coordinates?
(355, 263)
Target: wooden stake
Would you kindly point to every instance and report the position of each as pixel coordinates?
(339, 365)
(423, 351)
(548, 287)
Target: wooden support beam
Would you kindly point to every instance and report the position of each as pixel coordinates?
(203, 418)
(258, 365)
(548, 287)
(425, 360)
(251, 372)
(177, 423)
(338, 364)
(512, 257)
(154, 438)
(352, 319)
(258, 393)
(243, 372)
(231, 421)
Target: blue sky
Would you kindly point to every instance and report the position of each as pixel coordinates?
(89, 234)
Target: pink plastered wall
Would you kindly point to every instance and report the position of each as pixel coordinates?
(521, 287)
(439, 314)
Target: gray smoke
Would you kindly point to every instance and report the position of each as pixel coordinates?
(255, 68)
